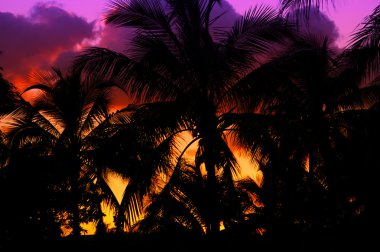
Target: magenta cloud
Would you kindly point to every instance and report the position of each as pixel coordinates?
(319, 24)
(119, 38)
(35, 42)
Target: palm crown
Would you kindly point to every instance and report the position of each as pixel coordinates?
(181, 59)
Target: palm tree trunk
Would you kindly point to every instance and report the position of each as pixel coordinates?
(213, 198)
(208, 130)
(101, 228)
(75, 196)
(75, 210)
(331, 170)
(75, 207)
(119, 220)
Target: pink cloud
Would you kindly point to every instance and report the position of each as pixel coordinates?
(119, 38)
(318, 24)
(115, 38)
(35, 42)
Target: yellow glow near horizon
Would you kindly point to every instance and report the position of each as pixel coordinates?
(118, 185)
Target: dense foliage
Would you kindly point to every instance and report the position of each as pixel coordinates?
(304, 111)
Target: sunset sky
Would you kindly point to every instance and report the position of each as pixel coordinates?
(38, 34)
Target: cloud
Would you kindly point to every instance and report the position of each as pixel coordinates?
(115, 38)
(225, 16)
(32, 43)
(318, 24)
(52, 36)
(64, 60)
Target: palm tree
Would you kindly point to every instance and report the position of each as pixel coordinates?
(180, 207)
(65, 123)
(316, 104)
(355, 155)
(363, 153)
(193, 68)
(138, 156)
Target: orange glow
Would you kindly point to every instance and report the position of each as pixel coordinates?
(351, 199)
(261, 231)
(307, 163)
(222, 226)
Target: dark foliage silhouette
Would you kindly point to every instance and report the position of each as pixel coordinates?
(304, 111)
(178, 61)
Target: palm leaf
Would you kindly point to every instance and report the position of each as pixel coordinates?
(365, 43)
(254, 34)
(96, 114)
(368, 33)
(13, 120)
(303, 7)
(39, 87)
(141, 82)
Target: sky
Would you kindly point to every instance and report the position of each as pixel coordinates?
(38, 34)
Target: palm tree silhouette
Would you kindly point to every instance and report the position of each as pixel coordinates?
(142, 151)
(179, 58)
(65, 122)
(316, 100)
(181, 206)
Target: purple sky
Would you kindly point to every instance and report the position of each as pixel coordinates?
(32, 40)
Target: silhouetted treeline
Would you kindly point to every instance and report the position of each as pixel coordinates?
(303, 110)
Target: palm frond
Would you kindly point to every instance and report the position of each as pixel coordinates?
(96, 114)
(48, 78)
(178, 206)
(367, 34)
(46, 124)
(109, 197)
(13, 120)
(257, 90)
(31, 137)
(150, 164)
(159, 120)
(39, 87)
(145, 15)
(158, 56)
(255, 133)
(254, 34)
(370, 95)
(139, 81)
(130, 209)
(365, 46)
(122, 116)
(231, 168)
(303, 7)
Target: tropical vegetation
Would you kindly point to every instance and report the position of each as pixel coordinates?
(303, 110)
